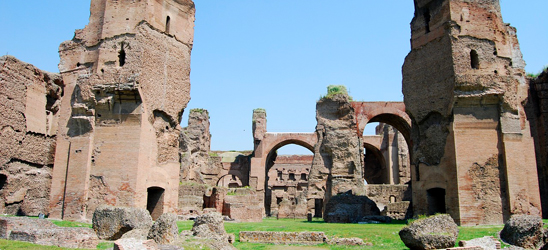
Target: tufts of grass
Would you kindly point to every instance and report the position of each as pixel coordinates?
(382, 236)
(333, 90)
(533, 75)
(198, 111)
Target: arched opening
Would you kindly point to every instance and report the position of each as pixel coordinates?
(474, 59)
(374, 166)
(287, 168)
(155, 201)
(168, 24)
(230, 181)
(436, 200)
(388, 162)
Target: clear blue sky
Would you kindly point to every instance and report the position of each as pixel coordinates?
(274, 54)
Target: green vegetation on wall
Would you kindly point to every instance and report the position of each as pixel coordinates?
(333, 90)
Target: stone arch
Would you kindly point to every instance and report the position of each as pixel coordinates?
(231, 180)
(293, 177)
(391, 113)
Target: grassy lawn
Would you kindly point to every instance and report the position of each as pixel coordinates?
(382, 236)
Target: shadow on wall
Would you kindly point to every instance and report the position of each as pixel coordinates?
(349, 208)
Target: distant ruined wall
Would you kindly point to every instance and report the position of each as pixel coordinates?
(29, 105)
(195, 142)
(127, 76)
(288, 182)
(537, 114)
(338, 155)
(463, 86)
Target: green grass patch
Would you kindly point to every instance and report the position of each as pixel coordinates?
(382, 236)
(10, 244)
(63, 223)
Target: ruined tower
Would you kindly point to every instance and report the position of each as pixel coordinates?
(127, 84)
(463, 86)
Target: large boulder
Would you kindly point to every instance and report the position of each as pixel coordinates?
(524, 231)
(210, 226)
(164, 230)
(435, 232)
(110, 223)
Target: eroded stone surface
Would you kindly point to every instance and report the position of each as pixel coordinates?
(524, 231)
(110, 223)
(127, 76)
(196, 164)
(29, 105)
(44, 232)
(307, 238)
(435, 232)
(164, 230)
(338, 159)
(472, 146)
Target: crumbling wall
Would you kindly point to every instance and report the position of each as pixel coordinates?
(191, 198)
(195, 141)
(243, 205)
(392, 200)
(127, 75)
(338, 155)
(29, 105)
(537, 108)
(470, 117)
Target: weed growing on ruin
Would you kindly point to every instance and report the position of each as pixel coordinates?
(532, 75)
(198, 111)
(333, 90)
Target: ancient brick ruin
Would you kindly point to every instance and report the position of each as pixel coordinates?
(126, 77)
(106, 129)
(473, 155)
(29, 112)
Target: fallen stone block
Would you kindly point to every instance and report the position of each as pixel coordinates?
(487, 243)
(135, 244)
(523, 231)
(164, 230)
(435, 232)
(110, 223)
(305, 238)
(347, 242)
(9, 224)
(70, 237)
(210, 226)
